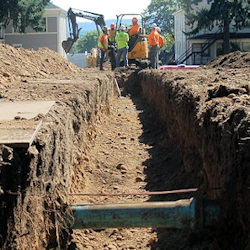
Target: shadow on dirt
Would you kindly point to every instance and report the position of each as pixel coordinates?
(165, 171)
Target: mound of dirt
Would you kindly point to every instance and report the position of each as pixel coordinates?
(235, 60)
(18, 63)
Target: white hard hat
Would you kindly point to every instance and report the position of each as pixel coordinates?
(154, 26)
(122, 27)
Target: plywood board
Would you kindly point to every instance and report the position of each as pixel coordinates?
(23, 110)
(22, 131)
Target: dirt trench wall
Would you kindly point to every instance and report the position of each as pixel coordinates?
(209, 120)
(35, 214)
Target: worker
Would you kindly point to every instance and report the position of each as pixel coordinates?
(153, 42)
(135, 29)
(161, 39)
(112, 34)
(103, 45)
(122, 39)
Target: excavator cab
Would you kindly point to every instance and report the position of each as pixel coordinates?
(138, 46)
(73, 26)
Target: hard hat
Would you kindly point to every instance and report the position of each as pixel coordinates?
(105, 28)
(153, 26)
(122, 27)
(134, 20)
(158, 29)
(112, 25)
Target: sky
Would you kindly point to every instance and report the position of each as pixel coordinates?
(108, 8)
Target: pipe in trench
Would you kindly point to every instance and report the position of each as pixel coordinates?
(190, 213)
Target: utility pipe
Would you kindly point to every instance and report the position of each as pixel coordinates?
(174, 214)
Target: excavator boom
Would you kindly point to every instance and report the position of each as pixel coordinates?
(73, 26)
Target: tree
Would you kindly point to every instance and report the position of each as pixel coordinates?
(161, 13)
(222, 13)
(86, 42)
(23, 13)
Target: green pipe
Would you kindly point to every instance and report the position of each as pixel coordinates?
(174, 214)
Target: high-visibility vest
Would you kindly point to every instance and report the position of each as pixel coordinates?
(153, 38)
(103, 40)
(135, 29)
(122, 39)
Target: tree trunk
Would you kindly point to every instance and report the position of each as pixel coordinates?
(226, 35)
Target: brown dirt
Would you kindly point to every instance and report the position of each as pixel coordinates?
(197, 134)
(236, 60)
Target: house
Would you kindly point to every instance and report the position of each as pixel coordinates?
(206, 45)
(55, 31)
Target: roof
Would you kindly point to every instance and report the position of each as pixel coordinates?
(220, 36)
(51, 6)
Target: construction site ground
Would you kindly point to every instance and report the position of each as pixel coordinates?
(94, 142)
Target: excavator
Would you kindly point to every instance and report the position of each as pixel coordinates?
(73, 26)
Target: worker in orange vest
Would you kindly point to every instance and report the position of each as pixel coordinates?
(135, 29)
(103, 45)
(153, 42)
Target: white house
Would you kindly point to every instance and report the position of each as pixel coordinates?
(206, 45)
(55, 21)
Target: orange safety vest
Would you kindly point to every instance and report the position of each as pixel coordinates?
(153, 38)
(103, 40)
(134, 29)
(161, 41)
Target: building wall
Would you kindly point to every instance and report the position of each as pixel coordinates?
(52, 37)
(34, 41)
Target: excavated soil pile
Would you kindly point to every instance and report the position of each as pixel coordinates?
(236, 60)
(18, 63)
(34, 182)
(207, 115)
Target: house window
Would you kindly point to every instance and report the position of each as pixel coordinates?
(44, 24)
(246, 46)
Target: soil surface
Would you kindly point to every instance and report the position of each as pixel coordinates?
(195, 134)
(121, 158)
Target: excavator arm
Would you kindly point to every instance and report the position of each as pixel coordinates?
(73, 26)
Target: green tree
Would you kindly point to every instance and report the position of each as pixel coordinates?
(23, 13)
(161, 13)
(86, 42)
(221, 13)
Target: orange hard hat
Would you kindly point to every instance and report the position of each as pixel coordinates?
(134, 20)
(112, 25)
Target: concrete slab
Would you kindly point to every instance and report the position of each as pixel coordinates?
(17, 126)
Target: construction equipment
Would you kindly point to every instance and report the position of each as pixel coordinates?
(73, 26)
(138, 46)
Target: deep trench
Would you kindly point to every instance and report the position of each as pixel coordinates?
(164, 170)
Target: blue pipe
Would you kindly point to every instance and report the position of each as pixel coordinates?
(174, 214)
